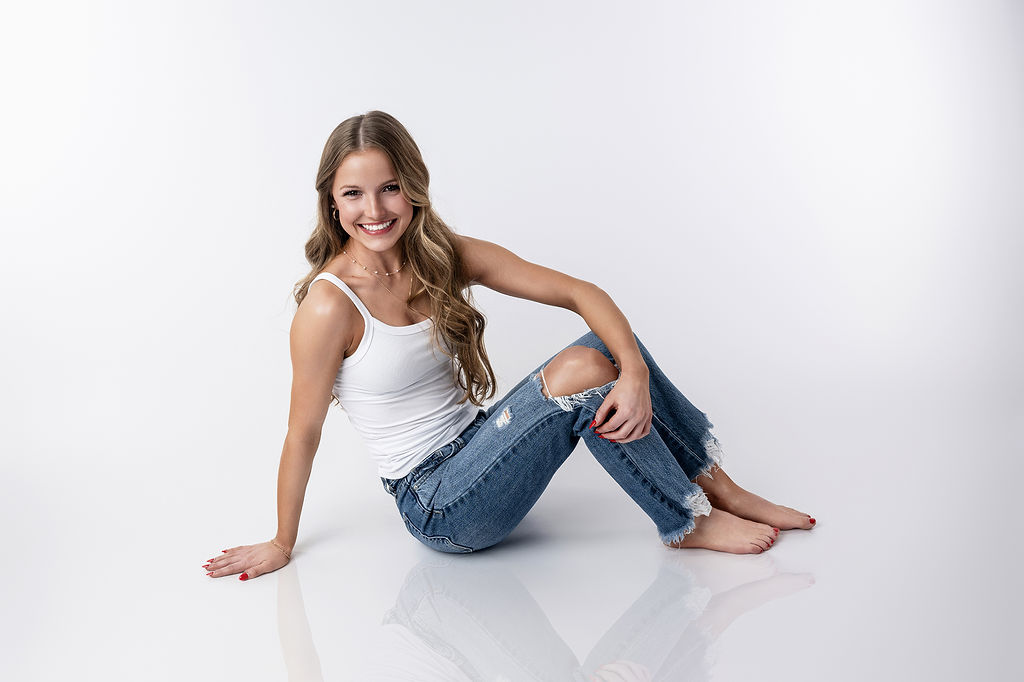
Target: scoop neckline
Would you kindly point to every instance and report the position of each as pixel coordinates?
(407, 328)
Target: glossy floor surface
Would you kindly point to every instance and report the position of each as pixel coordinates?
(912, 572)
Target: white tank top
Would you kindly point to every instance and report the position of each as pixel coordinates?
(399, 392)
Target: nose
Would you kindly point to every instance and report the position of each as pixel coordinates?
(373, 207)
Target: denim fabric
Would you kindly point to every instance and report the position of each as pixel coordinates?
(472, 492)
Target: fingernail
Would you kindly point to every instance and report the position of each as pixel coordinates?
(206, 565)
(244, 576)
(592, 423)
(210, 573)
(600, 435)
(813, 521)
(223, 551)
(612, 440)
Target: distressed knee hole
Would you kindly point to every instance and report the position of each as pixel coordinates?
(576, 370)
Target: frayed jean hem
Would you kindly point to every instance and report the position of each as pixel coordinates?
(699, 506)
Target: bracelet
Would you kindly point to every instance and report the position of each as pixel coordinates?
(287, 554)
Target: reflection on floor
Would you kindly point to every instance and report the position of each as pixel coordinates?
(453, 620)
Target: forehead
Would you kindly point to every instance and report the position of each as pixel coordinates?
(366, 168)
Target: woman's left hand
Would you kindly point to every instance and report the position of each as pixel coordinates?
(626, 412)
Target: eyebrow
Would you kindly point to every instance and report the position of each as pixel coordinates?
(386, 182)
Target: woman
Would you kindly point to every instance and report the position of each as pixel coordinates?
(385, 327)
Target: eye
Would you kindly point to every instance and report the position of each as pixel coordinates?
(391, 188)
(350, 193)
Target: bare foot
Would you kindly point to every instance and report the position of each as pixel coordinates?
(726, 532)
(723, 493)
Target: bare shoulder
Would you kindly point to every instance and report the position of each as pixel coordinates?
(480, 256)
(327, 319)
(322, 332)
(468, 249)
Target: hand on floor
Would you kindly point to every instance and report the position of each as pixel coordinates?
(249, 560)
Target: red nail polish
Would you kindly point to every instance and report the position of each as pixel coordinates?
(210, 573)
(206, 565)
(776, 530)
(592, 423)
(244, 576)
(612, 440)
(813, 521)
(223, 551)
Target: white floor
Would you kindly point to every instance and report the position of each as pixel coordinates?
(910, 574)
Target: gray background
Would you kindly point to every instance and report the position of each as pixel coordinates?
(809, 211)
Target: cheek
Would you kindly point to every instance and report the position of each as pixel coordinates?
(347, 212)
(400, 205)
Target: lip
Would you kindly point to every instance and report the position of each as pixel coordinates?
(377, 233)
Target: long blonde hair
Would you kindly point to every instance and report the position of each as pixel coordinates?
(429, 246)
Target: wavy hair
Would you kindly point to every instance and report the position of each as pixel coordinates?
(429, 246)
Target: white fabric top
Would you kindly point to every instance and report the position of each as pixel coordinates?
(399, 392)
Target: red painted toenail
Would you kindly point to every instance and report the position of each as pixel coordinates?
(776, 530)
(813, 521)
(244, 576)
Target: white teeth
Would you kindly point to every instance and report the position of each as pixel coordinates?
(378, 227)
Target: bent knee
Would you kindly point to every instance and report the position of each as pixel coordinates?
(576, 369)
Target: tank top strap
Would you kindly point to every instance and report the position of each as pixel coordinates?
(336, 281)
(367, 339)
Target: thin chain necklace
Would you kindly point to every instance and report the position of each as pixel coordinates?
(376, 276)
(376, 272)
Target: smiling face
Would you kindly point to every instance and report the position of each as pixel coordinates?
(371, 206)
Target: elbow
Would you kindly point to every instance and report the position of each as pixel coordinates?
(584, 292)
(305, 437)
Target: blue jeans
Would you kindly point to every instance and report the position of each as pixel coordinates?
(472, 492)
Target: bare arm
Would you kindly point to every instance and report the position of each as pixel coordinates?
(630, 400)
(321, 332)
(499, 269)
(323, 328)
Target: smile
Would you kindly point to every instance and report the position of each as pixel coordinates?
(376, 228)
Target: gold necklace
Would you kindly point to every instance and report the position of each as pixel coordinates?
(376, 276)
(386, 274)
(406, 301)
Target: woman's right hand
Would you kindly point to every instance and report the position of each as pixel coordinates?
(249, 560)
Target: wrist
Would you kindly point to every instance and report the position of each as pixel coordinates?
(636, 371)
(284, 547)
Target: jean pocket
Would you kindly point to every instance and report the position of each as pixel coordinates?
(425, 478)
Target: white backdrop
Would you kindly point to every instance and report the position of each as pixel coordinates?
(810, 211)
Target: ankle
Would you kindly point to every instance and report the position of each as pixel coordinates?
(720, 486)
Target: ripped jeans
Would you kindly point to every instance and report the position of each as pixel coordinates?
(472, 492)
